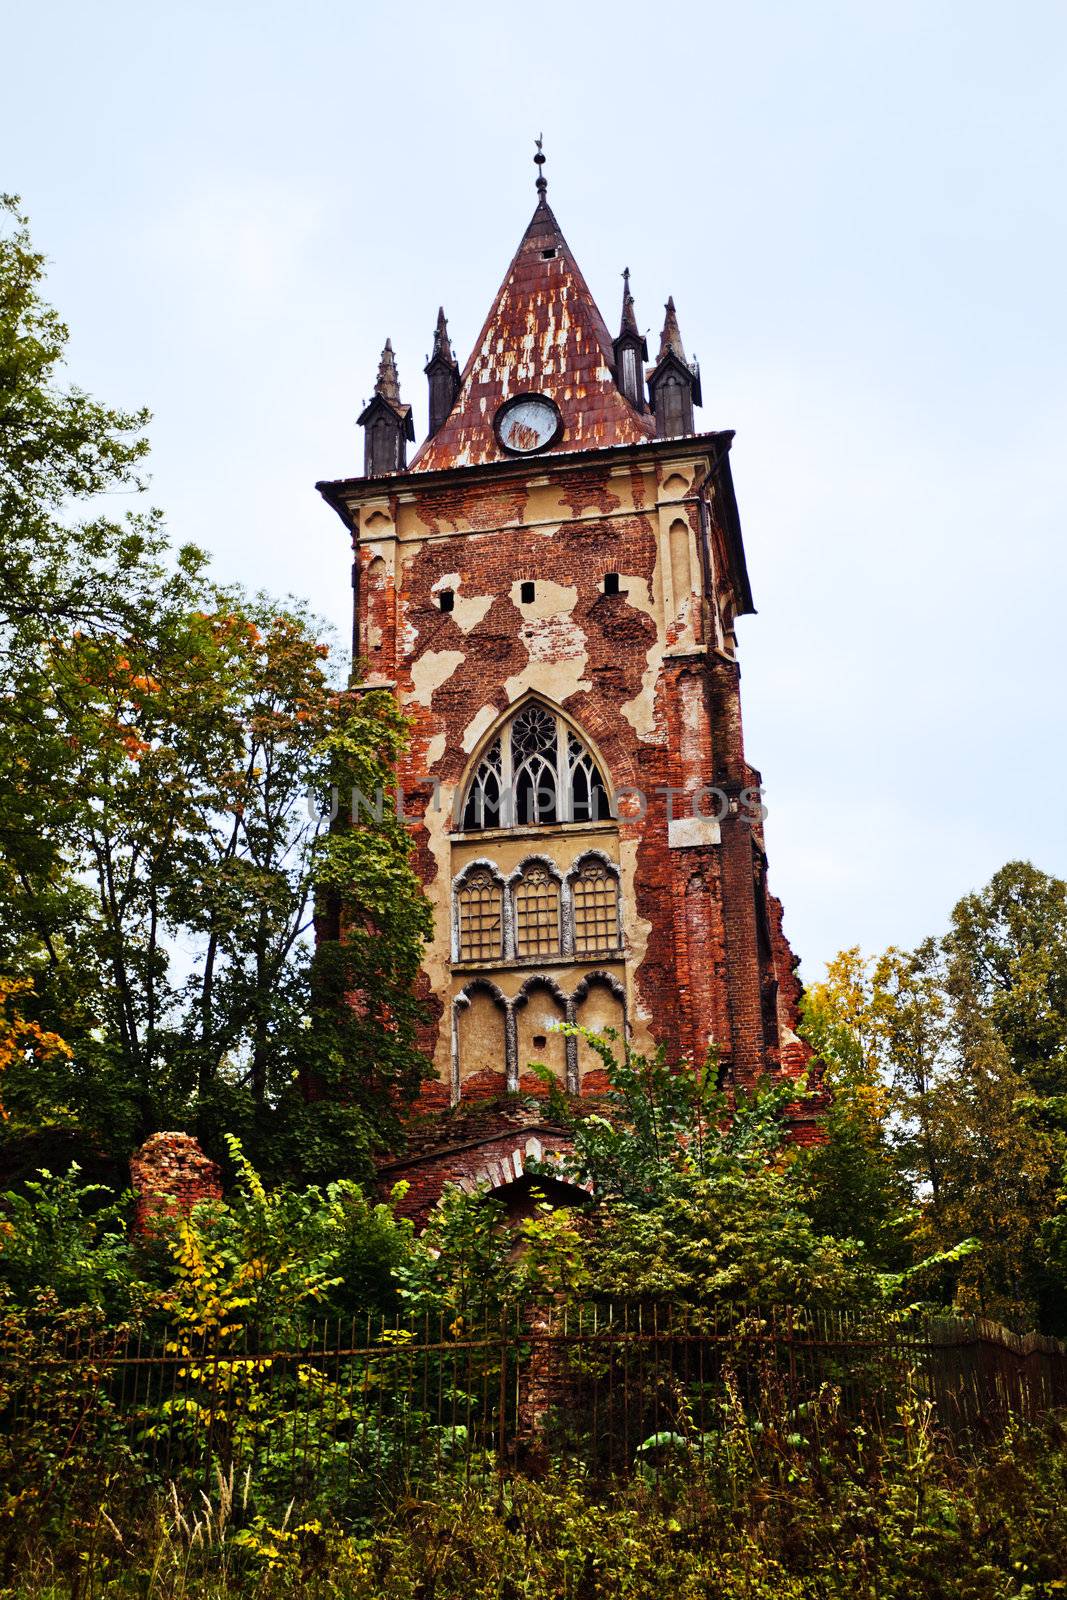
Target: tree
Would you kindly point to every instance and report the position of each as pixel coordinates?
(159, 736)
(360, 1060)
(1007, 962)
(946, 1065)
(179, 846)
(63, 568)
(58, 448)
(997, 1176)
(184, 975)
(697, 1199)
(857, 1188)
(911, 1021)
(1007, 948)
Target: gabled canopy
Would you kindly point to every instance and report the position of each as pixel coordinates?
(544, 335)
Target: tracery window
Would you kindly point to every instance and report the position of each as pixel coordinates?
(536, 771)
(589, 799)
(534, 762)
(482, 809)
(537, 912)
(481, 917)
(595, 900)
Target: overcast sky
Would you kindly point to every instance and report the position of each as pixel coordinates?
(860, 212)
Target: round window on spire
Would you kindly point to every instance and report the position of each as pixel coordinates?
(527, 423)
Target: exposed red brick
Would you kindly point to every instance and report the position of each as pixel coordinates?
(607, 497)
(170, 1174)
(543, 300)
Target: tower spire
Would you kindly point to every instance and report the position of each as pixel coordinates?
(674, 382)
(387, 421)
(442, 371)
(629, 317)
(631, 351)
(539, 161)
(387, 383)
(544, 334)
(441, 344)
(671, 337)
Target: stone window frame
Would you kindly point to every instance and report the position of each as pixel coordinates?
(510, 1008)
(459, 883)
(571, 934)
(542, 980)
(509, 884)
(567, 732)
(459, 1004)
(513, 881)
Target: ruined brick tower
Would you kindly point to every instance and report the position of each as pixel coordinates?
(550, 587)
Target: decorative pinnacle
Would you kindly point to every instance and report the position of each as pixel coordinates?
(388, 384)
(539, 159)
(442, 345)
(629, 317)
(670, 341)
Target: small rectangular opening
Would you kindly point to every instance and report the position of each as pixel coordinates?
(526, 593)
(446, 600)
(549, 255)
(611, 583)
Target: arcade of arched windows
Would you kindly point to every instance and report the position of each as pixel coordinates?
(536, 770)
(536, 912)
(491, 1029)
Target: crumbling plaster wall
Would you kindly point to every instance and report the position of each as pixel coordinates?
(632, 672)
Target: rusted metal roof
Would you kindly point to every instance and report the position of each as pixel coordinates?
(543, 335)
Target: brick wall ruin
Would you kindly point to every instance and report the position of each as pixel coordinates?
(170, 1174)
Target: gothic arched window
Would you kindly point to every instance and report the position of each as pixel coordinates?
(536, 771)
(482, 809)
(480, 917)
(537, 912)
(534, 766)
(595, 901)
(589, 799)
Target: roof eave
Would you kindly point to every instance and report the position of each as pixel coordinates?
(338, 492)
(517, 466)
(731, 526)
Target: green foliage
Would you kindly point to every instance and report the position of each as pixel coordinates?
(159, 735)
(67, 1238)
(856, 1188)
(71, 1448)
(998, 1181)
(57, 446)
(1007, 951)
(464, 1265)
(808, 1509)
(266, 1258)
(1006, 960)
(696, 1196)
(946, 1066)
(361, 1047)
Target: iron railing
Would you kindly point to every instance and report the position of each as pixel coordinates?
(355, 1412)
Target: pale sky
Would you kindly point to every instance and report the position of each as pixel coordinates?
(860, 212)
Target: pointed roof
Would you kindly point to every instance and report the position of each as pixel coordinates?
(672, 353)
(442, 345)
(388, 381)
(628, 325)
(545, 335)
(387, 391)
(670, 340)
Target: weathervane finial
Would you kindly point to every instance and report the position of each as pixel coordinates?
(539, 158)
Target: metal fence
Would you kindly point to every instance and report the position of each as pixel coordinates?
(356, 1412)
